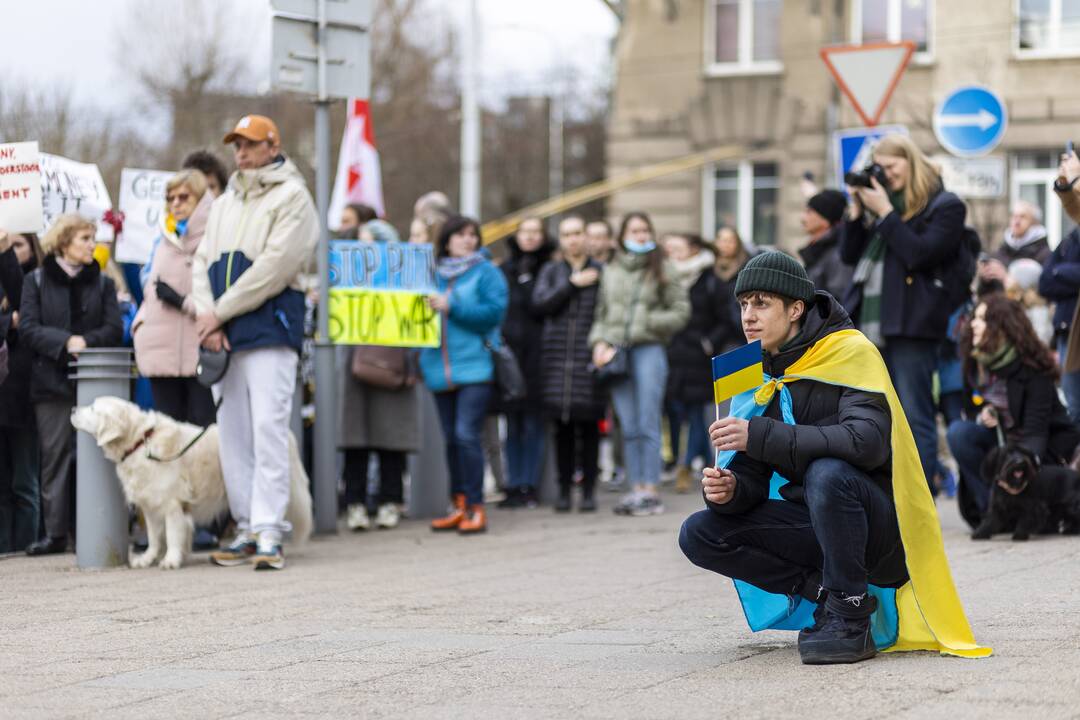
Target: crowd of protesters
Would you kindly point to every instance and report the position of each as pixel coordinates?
(612, 330)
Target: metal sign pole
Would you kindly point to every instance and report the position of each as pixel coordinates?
(325, 399)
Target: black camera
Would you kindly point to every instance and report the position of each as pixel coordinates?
(862, 177)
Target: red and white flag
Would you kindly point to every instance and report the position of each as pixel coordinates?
(359, 178)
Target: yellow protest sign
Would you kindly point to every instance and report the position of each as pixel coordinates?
(398, 318)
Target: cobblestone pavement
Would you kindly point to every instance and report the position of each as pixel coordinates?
(544, 617)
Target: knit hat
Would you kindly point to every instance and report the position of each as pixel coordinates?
(777, 273)
(829, 204)
(382, 231)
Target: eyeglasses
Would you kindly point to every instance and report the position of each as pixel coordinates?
(178, 197)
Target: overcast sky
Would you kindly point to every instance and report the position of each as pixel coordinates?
(527, 44)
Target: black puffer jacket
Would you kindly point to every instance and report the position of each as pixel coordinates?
(55, 307)
(569, 391)
(15, 409)
(830, 421)
(712, 325)
(1041, 423)
(918, 251)
(522, 326)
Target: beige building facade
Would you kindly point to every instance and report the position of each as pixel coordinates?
(697, 74)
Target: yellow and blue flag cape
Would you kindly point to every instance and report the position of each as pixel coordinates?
(923, 614)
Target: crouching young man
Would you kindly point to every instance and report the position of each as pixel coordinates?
(801, 507)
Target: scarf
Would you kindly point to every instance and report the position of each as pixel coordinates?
(869, 274)
(1035, 233)
(71, 269)
(689, 270)
(994, 361)
(455, 267)
(925, 613)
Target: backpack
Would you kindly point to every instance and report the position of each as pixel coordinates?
(957, 274)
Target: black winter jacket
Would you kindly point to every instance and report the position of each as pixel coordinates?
(917, 251)
(1060, 280)
(15, 408)
(522, 326)
(712, 325)
(55, 307)
(569, 390)
(824, 265)
(830, 421)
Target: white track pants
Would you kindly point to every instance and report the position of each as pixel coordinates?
(253, 429)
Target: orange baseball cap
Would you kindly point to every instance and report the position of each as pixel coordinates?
(255, 128)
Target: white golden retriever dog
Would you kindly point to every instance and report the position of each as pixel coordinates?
(173, 494)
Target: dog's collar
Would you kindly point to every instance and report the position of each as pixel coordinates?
(142, 441)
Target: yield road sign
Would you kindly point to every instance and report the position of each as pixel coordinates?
(868, 74)
(970, 121)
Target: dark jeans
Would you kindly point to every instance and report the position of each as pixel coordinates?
(911, 364)
(461, 414)
(847, 531)
(20, 497)
(969, 442)
(525, 442)
(1070, 382)
(577, 444)
(183, 399)
(697, 440)
(391, 469)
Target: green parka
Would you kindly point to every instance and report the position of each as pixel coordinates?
(660, 311)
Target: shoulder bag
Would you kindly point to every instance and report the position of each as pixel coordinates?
(618, 368)
(509, 379)
(384, 367)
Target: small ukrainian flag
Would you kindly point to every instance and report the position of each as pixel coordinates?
(737, 371)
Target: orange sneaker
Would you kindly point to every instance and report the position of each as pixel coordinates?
(475, 521)
(453, 520)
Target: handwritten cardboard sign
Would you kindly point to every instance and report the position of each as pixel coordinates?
(20, 188)
(142, 200)
(378, 295)
(68, 186)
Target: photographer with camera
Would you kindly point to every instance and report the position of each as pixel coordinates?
(905, 235)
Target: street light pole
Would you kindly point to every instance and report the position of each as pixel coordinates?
(470, 117)
(325, 487)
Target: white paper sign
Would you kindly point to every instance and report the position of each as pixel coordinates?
(20, 188)
(973, 177)
(142, 200)
(74, 187)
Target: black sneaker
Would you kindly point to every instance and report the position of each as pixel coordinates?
(514, 499)
(562, 505)
(845, 635)
(587, 504)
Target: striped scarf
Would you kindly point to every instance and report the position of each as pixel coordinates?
(869, 274)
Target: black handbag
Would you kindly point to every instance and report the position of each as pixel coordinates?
(211, 367)
(509, 379)
(618, 368)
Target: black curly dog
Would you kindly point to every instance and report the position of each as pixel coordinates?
(1027, 497)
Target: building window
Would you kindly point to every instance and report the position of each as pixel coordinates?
(744, 196)
(892, 21)
(1033, 175)
(743, 36)
(1048, 27)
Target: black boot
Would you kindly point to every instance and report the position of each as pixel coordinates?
(47, 546)
(814, 592)
(588, 497)
(845, 635)
(562, 505)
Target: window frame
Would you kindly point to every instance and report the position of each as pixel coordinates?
(1054, 51)
(920, 57)
(745, 65)
(744, 197)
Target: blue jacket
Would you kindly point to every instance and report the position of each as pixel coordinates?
(1060, 280)
(478, 300)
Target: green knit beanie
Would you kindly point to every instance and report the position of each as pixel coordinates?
(777, 273)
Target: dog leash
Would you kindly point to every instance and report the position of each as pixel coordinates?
(191, 444)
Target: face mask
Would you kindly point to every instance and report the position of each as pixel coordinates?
(639, 248)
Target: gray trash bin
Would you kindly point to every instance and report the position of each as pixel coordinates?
(101, 529)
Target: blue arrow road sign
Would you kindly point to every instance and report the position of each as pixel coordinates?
(970, 121)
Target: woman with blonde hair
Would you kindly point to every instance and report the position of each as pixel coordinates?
(166, 344)
(67, 305)
(903, 234)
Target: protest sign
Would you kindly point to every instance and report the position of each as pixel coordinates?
(378, 295)
(142, 200)
(20, 188)
(74, 187)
